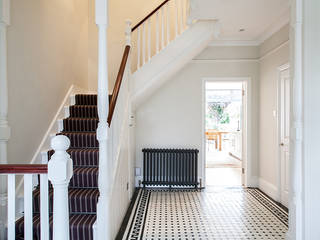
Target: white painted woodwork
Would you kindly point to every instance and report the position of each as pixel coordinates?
(176, 17)
(172, 58)
(296, 226)
(181, 15)
(143, 43)
(157, 32)
(4, 126)
(128, 32)
(162, 28)
(60, 170)
(139, 48)
(28, 217)
(168, 21)
(149, 39)
(284, 105)
(103, 206)
(11, 206)
(44, 207)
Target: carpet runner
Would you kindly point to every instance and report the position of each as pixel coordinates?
(80, 127)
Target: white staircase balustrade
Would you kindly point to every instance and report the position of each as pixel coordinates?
(60, 171)
(28, 172)
(170, 17)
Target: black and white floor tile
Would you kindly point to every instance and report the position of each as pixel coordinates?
(236, 213)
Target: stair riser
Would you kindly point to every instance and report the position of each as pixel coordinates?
(77, 204)
(88, 158)
(82, 140)
(80, 125)
(83, 111)
(89, 180)
(80, 227)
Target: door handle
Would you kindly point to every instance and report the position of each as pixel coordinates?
(281, 144)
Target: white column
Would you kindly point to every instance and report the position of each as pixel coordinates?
(60, 170)
(295, 196)
(4, 127)
(103, 206)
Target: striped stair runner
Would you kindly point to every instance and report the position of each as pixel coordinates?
(80, 128)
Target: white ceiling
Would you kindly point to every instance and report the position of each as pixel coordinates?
(259, 18)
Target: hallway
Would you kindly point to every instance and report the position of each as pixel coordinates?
(215, 213)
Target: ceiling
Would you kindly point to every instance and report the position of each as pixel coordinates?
(259, 18)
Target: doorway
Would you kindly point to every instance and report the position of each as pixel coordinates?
(284, 103)
(224, 125)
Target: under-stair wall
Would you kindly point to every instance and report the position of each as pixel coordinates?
(172, 116)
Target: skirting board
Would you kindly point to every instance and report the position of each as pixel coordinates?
(41, 153)
(269, 189)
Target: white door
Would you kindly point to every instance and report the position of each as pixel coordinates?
(284, 97)
(243, 133)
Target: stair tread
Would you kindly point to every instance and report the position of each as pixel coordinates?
(80, 124)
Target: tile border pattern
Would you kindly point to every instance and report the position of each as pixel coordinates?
(135, 227)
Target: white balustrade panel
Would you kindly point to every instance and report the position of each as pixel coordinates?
(155, 33)
(28, 206)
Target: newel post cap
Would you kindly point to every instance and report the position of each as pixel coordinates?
(60, 167)
(60, 143)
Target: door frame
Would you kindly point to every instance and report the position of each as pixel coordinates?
(246, 149)
(282, 68)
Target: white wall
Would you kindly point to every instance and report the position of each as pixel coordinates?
(172, 117)
(311, 99)
(47, 53)
(273, 57)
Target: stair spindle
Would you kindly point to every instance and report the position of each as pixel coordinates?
(176, 17)
(162, 29)
(28, 218)
(149, 39)
(44, 205)
(181, 16)
(139, 48)
(11, 206)
(143, 43)
(157, 31)
(168, 22)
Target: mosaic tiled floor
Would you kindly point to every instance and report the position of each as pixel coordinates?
(211, 214)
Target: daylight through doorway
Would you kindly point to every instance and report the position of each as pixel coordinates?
(223, 122)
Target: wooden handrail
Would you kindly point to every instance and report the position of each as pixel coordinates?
(23, 168)
(149, 15)
(117, 85)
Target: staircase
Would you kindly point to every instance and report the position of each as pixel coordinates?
(80, 128)
(96, 210)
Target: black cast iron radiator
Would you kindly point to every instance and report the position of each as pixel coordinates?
(170, 167)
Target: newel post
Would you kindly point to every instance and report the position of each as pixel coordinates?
(4, 127)
(60, 170)
(103, 206)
